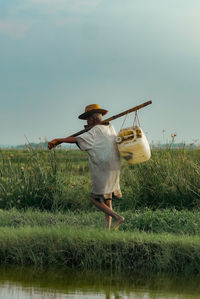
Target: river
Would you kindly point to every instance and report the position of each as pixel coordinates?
(59, 283)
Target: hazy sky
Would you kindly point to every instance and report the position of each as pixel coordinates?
(57, 56)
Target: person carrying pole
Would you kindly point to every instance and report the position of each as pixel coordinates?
(104, 160)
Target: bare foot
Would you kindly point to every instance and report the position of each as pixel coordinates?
(118, 222)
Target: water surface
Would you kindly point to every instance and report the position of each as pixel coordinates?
(59, 283)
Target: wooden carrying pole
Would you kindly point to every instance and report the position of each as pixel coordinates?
(114, 117)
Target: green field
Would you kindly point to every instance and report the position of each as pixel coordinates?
(46, 216)
(60, 180)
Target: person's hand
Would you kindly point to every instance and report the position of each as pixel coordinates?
(53, 143)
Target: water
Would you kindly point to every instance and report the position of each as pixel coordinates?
(57, 283)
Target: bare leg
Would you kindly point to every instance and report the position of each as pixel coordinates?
(103, 207)
(108, 218)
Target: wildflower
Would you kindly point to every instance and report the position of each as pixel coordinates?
(173, 135)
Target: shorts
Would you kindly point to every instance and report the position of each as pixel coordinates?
(108, 196)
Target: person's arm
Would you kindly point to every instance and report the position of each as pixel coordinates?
(53, 143)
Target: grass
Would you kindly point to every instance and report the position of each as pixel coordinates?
(46, 216)
(98, 249)
(159, 241)
(159, 221)
(60, 180)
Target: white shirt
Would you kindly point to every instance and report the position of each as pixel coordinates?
(104, 159)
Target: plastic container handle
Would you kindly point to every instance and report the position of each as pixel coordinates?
(120, 139)
(131, 135)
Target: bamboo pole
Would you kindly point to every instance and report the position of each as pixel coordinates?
(114, 117)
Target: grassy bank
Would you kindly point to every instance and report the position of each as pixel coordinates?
(159, 241)
(159, 221)
(92, 249)
(160, 204)
(60, 180)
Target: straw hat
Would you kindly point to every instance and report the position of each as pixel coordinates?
(91, 109)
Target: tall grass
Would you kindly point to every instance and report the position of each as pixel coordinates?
(171, 179)
(41, 179)
(60, 180)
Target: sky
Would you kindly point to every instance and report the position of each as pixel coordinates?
(57, 56)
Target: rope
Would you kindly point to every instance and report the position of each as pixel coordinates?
(136, 121)
(124, 120)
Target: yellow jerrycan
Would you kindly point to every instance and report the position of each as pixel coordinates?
(133, 145)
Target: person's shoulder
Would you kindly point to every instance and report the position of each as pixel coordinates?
(104, 126)
(94, 131)
(106, 129)
(111, 128)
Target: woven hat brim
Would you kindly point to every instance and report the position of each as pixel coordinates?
(87, 114)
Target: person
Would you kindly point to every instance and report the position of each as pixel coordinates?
(104, 160)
